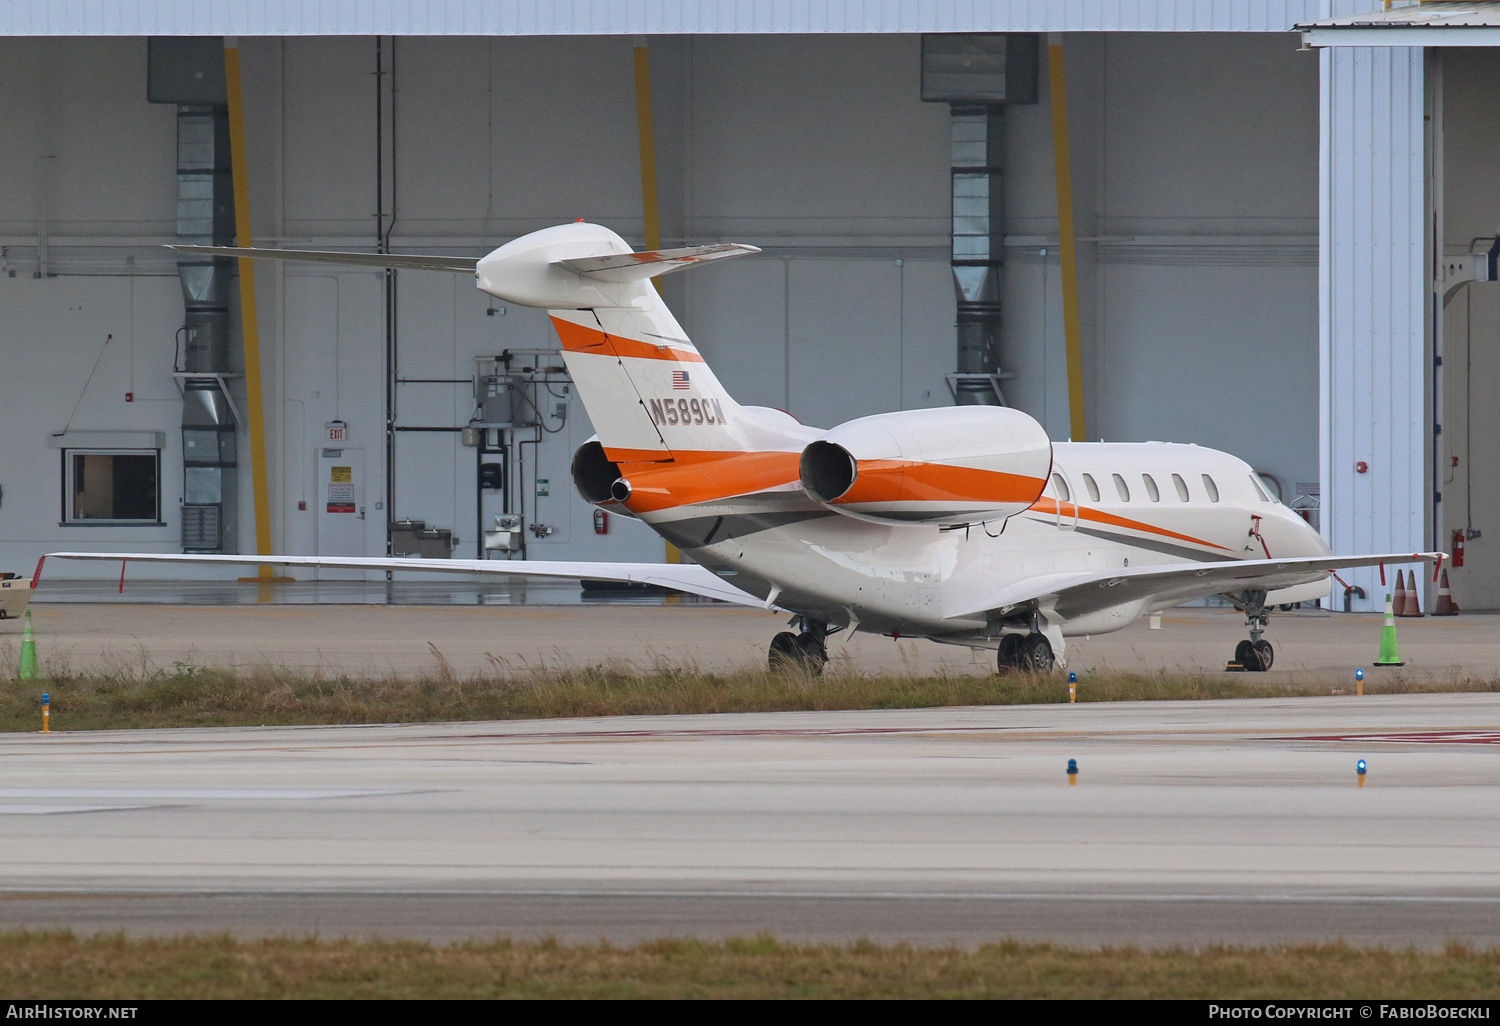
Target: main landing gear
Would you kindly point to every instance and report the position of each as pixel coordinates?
(1027, 653)
(1255, 654)
(806, 650)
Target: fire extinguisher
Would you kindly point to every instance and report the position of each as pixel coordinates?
(1458, 548)
(601, 522)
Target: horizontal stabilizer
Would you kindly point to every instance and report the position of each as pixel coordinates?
(402, 261)
(624, 267)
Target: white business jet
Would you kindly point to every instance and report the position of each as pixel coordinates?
(965, 525)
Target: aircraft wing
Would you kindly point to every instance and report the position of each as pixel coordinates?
(1160, 587)
(688, 577)
(404, 261)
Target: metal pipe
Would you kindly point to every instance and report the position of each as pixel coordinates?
(1067, 249)
(249, 321)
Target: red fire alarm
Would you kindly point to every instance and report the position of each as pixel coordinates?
(130, 397)
(1361, 466)
(302, 504)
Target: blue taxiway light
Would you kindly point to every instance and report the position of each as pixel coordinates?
(1359, 767)
(1359, 674)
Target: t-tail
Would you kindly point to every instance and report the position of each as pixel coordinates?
(655, 403)
(647, 389)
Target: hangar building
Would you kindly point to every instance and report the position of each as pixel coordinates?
(1279, 210)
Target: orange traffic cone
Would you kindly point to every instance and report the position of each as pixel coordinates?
(1398, 597)
(1445, 604)
(1413, 597)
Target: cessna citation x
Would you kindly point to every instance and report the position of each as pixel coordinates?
(965, 525)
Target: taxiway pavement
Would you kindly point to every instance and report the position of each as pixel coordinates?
(1191, 823)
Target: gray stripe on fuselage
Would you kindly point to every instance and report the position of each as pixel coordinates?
(1197, 555)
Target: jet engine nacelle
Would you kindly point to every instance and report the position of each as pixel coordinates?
(954, 465)
(598, 479)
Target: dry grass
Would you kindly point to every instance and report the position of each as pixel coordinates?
(132, 692)
(58, 965)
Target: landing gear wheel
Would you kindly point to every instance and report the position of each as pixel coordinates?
(1265, 655)
(812, 654)
(783, 651)
(1035, 654)
(1008, 658)
(1243, 653)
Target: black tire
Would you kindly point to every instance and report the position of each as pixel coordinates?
(1265, 654)
(812, 654)
(1008, 656)
(3, 614)
(783, 651)
(1243, 653)
(1035, 654)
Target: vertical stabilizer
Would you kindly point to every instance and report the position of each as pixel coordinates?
(647, 388)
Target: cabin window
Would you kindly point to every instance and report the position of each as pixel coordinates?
(1211, 488)
(1181, 486)
(1255, 483)
(1120, 487)
(1088, 482)
(1061, 488)
(1151, 489)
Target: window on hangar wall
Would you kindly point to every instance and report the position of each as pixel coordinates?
(112, 486)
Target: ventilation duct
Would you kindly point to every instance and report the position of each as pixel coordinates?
(190, 73)
(977, 75)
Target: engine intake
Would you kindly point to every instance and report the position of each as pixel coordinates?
(945, 466)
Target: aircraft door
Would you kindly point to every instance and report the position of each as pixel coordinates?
(1067, 504)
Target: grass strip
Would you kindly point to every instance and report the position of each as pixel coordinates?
(194, 696)
(58, 965)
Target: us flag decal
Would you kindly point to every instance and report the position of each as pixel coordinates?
(679, 379)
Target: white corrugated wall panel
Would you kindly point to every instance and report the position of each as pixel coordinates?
(1372, 306)
(630, 17)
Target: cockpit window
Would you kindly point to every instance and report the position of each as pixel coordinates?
(1255, 481)
(1120, 487)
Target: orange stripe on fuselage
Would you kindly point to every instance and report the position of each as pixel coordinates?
(911, 481)
(697, 476)
(577, 338)
(1047, 505)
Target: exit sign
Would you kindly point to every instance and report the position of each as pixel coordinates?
(338, 431)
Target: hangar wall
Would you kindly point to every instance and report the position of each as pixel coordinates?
(1195, 178)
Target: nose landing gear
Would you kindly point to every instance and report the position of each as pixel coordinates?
(1256, 654)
